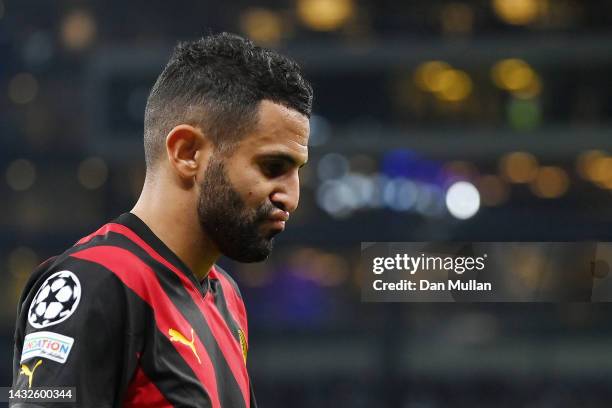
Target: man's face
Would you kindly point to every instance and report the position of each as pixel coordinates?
(246, 198)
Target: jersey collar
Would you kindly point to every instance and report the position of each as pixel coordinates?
(143, 231)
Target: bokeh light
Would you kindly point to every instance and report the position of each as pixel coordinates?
(427, 75)
(337, 198)
(524, 114)
(22, 261)
(586, 164)
(550, 182)
(462, 200)
(78, 30)
(447, 83)
(22, 88)
(532, 90)
(600, 171)
(430, 201)
(21, 174)
(92, 173)
(519, 12)
(325, 15)
(494, 190)
(362, 188)
(332, 166)
(454, 85)
(401, 194)
(262, 25)
(512, 74)
(519, 167)
(379, 183)
(517, 76)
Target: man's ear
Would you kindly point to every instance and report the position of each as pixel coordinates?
(188, 150)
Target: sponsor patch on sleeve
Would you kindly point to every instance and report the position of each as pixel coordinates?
(52, 346)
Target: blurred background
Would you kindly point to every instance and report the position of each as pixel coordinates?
(433, 120)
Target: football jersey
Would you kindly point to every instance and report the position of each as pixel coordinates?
(124, 321)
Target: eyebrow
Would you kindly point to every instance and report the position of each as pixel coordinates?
(284, 157)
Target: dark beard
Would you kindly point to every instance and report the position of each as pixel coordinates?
(224, 217)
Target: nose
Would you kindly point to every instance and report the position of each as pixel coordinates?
(286, 194)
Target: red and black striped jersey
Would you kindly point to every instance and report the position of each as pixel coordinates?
(121, 318)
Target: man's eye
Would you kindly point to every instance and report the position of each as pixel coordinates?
(273, 169)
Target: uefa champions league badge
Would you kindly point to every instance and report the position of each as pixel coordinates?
(56, 300)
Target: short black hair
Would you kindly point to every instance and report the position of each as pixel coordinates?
(216, 83)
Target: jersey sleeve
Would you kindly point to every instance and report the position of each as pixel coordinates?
(75, 329)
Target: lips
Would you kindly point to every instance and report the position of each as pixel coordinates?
(278, 219)
(279, 216)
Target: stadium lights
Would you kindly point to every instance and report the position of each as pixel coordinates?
(446, 83)
(456, 85)
(518, 77)
(519, 12)
(462, 200)
(595, 166)
(78, 30)
(550, 182)
(601, 172)
(427, 75)
(519, 167)
(262, 26)
(325, 15)
(585, 164)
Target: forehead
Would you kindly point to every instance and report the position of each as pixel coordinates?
(279, 130)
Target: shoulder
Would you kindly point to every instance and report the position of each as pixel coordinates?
(68, 269)
(113, 253)
(87, 278)
(63, 286)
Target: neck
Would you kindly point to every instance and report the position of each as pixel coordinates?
(175, 221)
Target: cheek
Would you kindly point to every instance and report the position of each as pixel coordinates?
(251, 188)
(249, 182)
(255, 195)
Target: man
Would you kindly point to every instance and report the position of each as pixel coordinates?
(137, 314)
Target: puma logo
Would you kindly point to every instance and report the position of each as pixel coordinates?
(25, 370)
(175, 335)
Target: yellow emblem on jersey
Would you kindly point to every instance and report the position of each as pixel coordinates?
(175, 335)
(25, 370)
(243, 344)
